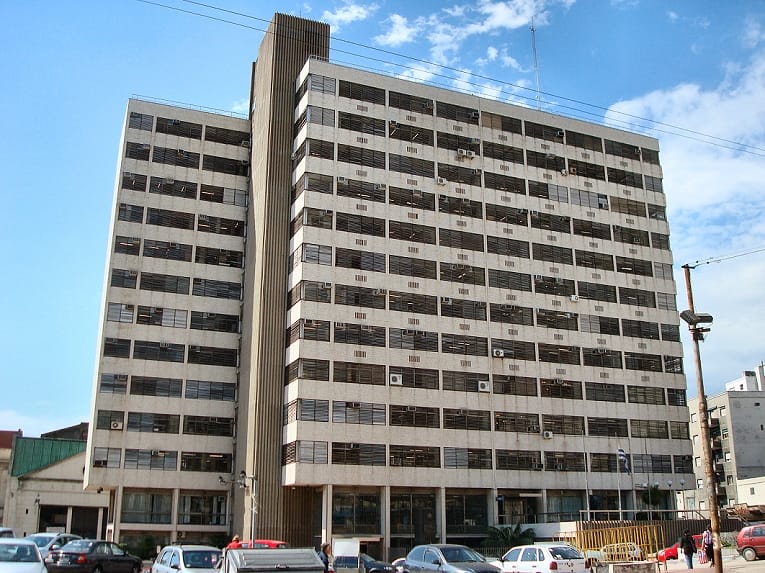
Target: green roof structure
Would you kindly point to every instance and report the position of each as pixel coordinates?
(32, 454)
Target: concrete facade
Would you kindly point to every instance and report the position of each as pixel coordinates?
(454, 311)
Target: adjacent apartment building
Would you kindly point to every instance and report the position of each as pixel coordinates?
(737, 431)
(381, 309)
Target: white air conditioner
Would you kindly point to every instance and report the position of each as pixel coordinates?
(446, 300)
(462, 152)
(497, 353)
(245, 143)
(574, 298)
(560, 133)
(547, 435)
(440, 180)
(155, 452)
(470, 154)
(342, 180)
(411, 408)
(564, 171)
(474, 115)
(379, 186)
(396, 380)
(379, 291)
(601, 351)
(484, 386)
(115, 425)
(475, 140)
(169, 181)
(538, 277)
(327, 285)
(572, 170)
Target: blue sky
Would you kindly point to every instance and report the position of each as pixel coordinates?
(696, 67)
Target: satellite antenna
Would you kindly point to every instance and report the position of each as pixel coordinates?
(536, 63)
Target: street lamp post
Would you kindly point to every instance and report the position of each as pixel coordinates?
(243, 478)
(695, 321)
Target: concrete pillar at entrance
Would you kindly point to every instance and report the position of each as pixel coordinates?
(326, 514)
(442, 513)
(385, 501)
(543, 512)
(494, 507)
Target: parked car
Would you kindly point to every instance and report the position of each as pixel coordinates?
(20, 556)
(47, 540)
(190, 558)
(616, 552)
(750, 542)
(398, 564)
(364, 563)
(6, 532)
(673, 551)
(446, 558)
(560, 557)
(92, 556)
(264, 544)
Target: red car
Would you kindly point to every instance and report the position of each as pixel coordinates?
(672, 551)
(264, 544)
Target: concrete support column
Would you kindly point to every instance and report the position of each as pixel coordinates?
(385, 525)
(494, 507)
(543, 509)
(326, 514)
(442, 513)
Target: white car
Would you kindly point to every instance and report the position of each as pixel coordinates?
(47, 540)
(560, 557)
(20, 556)
(187, 558)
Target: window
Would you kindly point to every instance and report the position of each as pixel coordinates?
(411, 198)
(457, 112)
(560, 388)
(216, 289)
(414, 416)
(220, 226)
(151, 460)
(648, 429)
(628, 207)
(508, 215)
(463, 381)
(127, 245)
(173, 187)
(152, 386)
(465, 175)
(130, 213)
(206, 462)
(208, 426)
(524, 423)
(641, 361)
(305, 452)
(660, 241)
(221, 257)
(310, 253)
(634, 266)
(310, 291)
(360, 296)
(157, 316)
(178, 157)
(106, 457)
(504, 183)
(355, 373)
(361, 260)
(316, 83)
(460, 206)
(410, 102)
(518, 460)
(679, 430)
(113, 383)
(410, 165)
(410, 134)
(588, 199)
(549, 222)
(205, 390)
(365, 413)
(553, 254)
(227, 136)
(140, 121)
(454, 142)
(361, 92)
(665, 301)
(557, 319)
(363, 190)
(594, 260)
(673, 364)
(355, 454)
(637, 297)
(467, 458)
(645, 395)
(509, 280)
(598, 324)
(514, 385)
(461, 344)
(214, 321)
(178, 127)
(465, 309)
(460, 240)
(117, 347)
(515, 349)
(412, 302)
(565, 425)
(512, 314)
(225, 195)
(640, 329)
(627, 178)
(676, 397)
(564, 461)
(107, 419)
(417, 377)
(592, 229)
(213, 356)
(166, 218)
(607, 427)
(360, 156)
(164, 283)
(353, 122)
(460, 273)
(408, 266)
(138, 151)
(161, 351)
(559, 353)
(410, 339)
(544, 161)
(320, 116)
(602, 392)
(504, 153)
(151, 422)
(583, 140)
(363, 225)
(553, 285)
(361, 334)
(313, 182)
(670, 332)
(601, 357)
(133, 181)
(663, 271)
(507, 247)
(307, 369)
(501, 122)
(657, 212)
(415, 456)
(118, 312)
(167, 250)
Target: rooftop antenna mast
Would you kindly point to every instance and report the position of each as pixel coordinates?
(536, 62)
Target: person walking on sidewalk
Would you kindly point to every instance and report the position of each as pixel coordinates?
(688, 547)
(708, 546)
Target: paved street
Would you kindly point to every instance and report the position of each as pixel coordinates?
(732, 562)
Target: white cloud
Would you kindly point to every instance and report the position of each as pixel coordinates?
(241, 106)
(491, 53)
(715, 207)
(753, 33)
(673, 16)
(419, 73)
(347, 14)
(399, 33)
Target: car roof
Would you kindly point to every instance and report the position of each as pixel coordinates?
(17, 541)
(191, 547)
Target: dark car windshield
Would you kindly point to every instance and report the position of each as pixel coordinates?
(40, 540)
(201, 559)
(460, 555)
(565, 552)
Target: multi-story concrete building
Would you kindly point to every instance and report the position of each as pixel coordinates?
(454, 311)
(737, 431)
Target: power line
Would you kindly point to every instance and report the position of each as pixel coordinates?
(686, 133)
(711, 260)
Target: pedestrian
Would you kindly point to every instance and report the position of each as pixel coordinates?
(688, 547)
(235, 543)
(709, 546)
(325, 555)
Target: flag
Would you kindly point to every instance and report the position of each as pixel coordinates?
(625, 460)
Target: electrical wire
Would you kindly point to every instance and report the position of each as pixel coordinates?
(651, 127)
(711, 260)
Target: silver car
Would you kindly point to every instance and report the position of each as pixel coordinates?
(20, 556)
(188, 558)
(47, 540)
(446, 558)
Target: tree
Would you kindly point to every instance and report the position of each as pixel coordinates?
(508, 537)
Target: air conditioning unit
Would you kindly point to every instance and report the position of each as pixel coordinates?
(497, 353)
(245, 162)
(115, 425)
(484, 386)
(396, 380)
(245, 143)
(411, 408)
(342, 180)
(409, 332)
(379, 291)
(474, 115)
(557, 381)
(572, 170)
(446, 300)
(536, 467)
(379, 186)
(462, 152)
(470, 154)
(574, 298)
(155, 452)
(547, 435)
(440, 180)
(169, 181)
(564, 171)
(327, 285)
(475, 140)
(601, 351)
(538, 277)
(560, 133)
